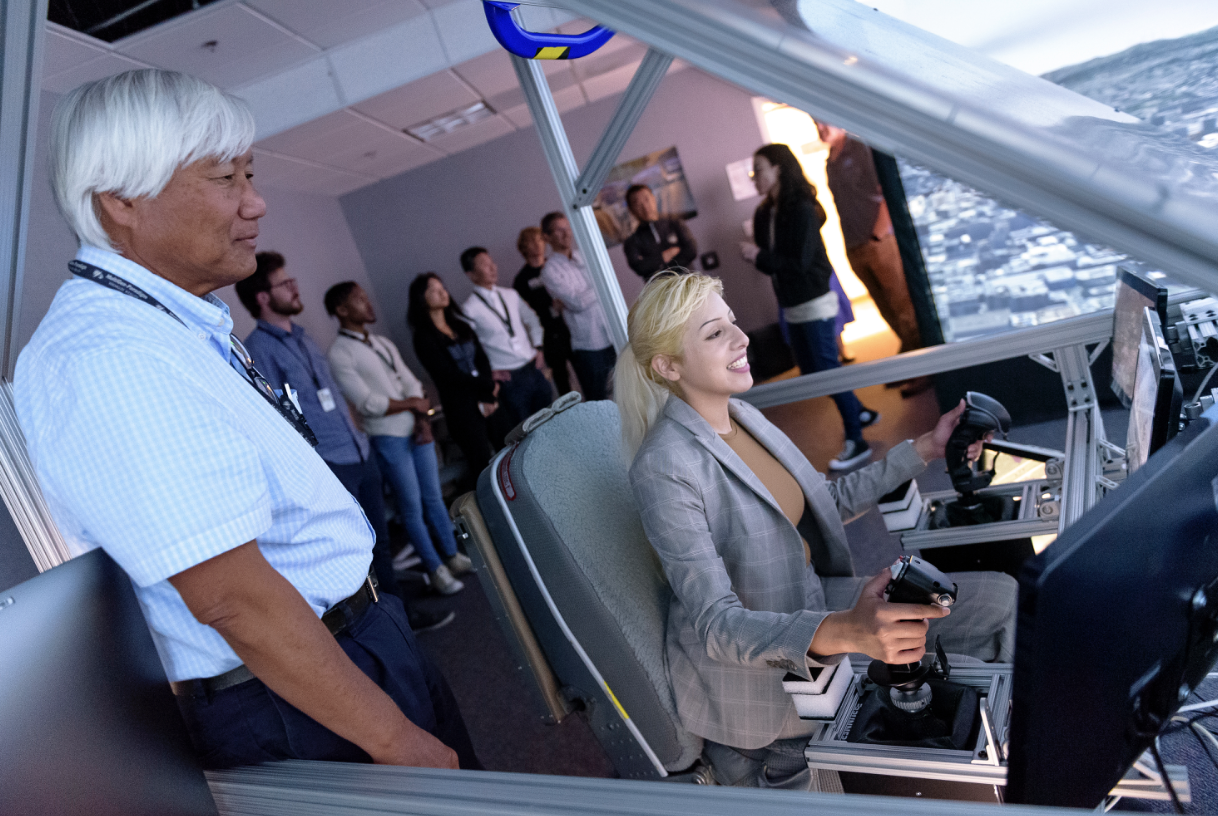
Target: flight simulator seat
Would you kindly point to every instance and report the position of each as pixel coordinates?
(578, 590)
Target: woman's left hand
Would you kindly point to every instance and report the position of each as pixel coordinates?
(749, 251)
(932, 444)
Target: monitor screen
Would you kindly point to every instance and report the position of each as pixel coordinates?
(1117, 619)
(88, 724)
(1135, 291)
(1154, 413)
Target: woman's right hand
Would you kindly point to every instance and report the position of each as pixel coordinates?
(893, 633)
(749, 251)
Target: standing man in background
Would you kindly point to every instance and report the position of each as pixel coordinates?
(567, 278)
(658, 243)
(871, 245)
(556, 339)
(155, 438)
(512, 336)
(287, 356)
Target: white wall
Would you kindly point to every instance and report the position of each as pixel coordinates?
(309, 230)
(421, 220)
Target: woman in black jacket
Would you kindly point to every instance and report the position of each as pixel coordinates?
(450, 352)
(789, 248)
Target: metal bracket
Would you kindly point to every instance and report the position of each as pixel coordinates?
(1045, 361)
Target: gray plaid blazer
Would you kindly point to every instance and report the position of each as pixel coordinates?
(744, 606)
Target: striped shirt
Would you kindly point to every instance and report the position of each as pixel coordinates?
(148, 443)
(569, 282)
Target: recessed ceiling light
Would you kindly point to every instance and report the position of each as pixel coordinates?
(440, 125)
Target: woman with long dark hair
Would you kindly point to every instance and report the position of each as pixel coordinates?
(789, 248)
(448, 348)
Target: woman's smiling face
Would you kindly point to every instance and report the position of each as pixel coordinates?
(713, 364)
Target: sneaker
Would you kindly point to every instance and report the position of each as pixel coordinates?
(421, 621)
(855, 453)
(868, 417)
(442, 581)
(406, 559)
(459, 564)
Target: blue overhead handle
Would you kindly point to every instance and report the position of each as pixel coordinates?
(540, 46)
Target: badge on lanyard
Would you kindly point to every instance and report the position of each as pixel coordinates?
(326, 399)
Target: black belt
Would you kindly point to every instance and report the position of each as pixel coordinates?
(338, 619)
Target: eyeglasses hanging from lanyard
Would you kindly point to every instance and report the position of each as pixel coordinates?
(283, 403)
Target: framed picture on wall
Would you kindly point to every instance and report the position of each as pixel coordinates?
(663, 173)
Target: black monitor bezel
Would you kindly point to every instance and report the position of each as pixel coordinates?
(1169, 393)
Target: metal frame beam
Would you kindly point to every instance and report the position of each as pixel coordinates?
(646, 79)
(22, 32)
(558, 155)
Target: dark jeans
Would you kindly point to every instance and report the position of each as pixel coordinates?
(249, 724)
(815, 347)
(557, 347)
(526, 393)
(363, 481)
(593, 369)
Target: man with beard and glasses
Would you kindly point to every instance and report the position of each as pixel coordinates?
(287, 356)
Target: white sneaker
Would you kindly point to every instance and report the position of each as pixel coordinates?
(406, 559)
(854, 453)
(442, 581)
(459, 564)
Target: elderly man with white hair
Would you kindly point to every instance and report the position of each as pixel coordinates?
(155, 438)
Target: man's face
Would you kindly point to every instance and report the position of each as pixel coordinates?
(643, 206)
(830, 135)
(284, 295)
(200, 231)
(535, 245)
(485, 272)
(560, 237)
(358, 307)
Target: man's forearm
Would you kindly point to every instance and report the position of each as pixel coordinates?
(280, 639)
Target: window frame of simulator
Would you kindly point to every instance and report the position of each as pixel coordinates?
(1118, 623)
(1134, 291)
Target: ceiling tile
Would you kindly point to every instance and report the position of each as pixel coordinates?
(419, 101)
(607, 59)
(328, 23)
(569, 99)
(247, 47)
(381, 62)
(519, 116)
(610, 82)
(508, 99)
(491, 73)
(463, 30)
(282, 172)
(104, 66)
(62, 52)
(299, 137)
(472, 135)
(290, 97)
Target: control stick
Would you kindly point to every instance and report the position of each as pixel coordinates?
(914, 582)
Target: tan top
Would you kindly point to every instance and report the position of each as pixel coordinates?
(776, 478)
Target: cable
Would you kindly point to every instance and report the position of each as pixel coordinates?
(1205, 382)
(1171, 789)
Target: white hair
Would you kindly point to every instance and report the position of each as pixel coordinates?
(128, 133)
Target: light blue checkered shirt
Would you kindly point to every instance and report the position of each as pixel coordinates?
(149, 443)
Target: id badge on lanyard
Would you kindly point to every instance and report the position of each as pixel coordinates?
(326, 399)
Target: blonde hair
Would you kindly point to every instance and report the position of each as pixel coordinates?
(655, 325)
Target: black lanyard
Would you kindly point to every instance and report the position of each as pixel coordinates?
(506, 321)
(283, 404)
(306, 359)
(367, 341)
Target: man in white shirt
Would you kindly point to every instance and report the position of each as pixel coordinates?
(567, 279)
(512, 336)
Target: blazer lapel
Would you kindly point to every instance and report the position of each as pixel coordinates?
(679, 410)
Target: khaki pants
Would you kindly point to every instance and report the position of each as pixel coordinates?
(878, 266)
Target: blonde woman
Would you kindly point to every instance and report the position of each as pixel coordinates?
(752, 541)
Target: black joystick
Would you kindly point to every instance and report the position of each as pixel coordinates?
(982, 417)
(913, 582)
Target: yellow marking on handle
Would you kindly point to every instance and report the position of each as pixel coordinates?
(613, 697)
(552, 52)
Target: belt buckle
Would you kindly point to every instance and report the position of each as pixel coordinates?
(376, 598)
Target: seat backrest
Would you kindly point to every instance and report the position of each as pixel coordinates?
(566, 488)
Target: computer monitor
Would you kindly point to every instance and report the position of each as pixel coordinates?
(1154, 413)
(1135, 291)
(88, 724)
(1117, 624)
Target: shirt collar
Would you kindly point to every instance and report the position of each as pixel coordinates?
(207, 313)
(274, 330)
(488, 290)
